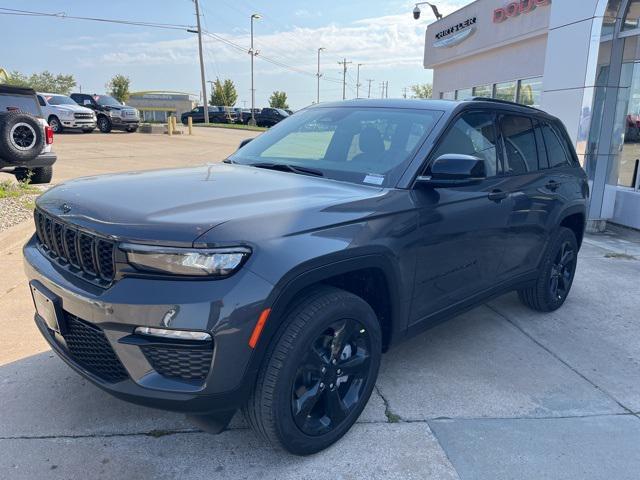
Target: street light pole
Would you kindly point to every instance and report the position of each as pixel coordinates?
(318, 74)
(252, 52)
(205, 104)
(358, 81)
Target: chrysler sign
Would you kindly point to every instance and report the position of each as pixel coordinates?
(456, 34)
(515, 9)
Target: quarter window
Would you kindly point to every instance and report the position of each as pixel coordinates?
(520, 145)
(555, 152)
(472, 134)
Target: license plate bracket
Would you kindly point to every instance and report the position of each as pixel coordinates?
(48, 308)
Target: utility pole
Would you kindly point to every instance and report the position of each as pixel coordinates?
(344, 64)
(381, 89)
(404, 92)
(369, 93)
(205, 104)
(386, 89)
(319, 74)
(253, 53)
(358, 81)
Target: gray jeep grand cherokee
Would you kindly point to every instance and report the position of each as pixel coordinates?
(273, 282)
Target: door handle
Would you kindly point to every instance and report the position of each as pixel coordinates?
(552, 185)
(497, 195)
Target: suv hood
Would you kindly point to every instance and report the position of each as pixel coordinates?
(176, 207)
(72, 108)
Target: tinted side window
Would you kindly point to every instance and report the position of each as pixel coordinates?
(474, 134)
(520, 145)
(542, 151)
(41, 101)
(19, 103)
(555, 151)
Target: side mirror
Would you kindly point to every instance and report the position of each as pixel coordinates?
(244, 142)
(454, 170)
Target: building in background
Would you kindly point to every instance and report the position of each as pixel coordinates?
(156, 106)
(578, 60)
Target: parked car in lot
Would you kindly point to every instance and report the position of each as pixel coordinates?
(110, 113)
(63, 112)
(25, 137)
(273, 283)
(268, 117)
(216, 115)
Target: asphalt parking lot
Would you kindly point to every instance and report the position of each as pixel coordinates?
(498, 393)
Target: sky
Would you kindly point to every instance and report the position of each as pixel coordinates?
(380, 35)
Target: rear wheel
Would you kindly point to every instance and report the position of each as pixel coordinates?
(556, 274)
(318, 374)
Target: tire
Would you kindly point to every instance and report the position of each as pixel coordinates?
(104, 124)
(55, 124)
(557, 271)
(299, 364)
(35, 176)
(132, 130)
(21, 137)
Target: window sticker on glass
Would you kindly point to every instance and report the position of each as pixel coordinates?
(374, 179)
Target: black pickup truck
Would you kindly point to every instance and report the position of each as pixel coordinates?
(25, 137)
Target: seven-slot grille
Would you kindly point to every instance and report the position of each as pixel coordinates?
(86, 116)
(84, 253)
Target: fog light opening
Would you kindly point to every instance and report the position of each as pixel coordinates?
(174, 334)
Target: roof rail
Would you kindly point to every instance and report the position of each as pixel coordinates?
(504, 102)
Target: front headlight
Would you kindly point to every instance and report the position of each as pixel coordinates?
(217, 262)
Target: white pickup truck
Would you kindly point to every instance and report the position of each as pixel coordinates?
(63, 112)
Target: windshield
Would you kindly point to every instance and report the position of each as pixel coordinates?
(107, 101)
(282, 112)
(361, 145)
(59, 100)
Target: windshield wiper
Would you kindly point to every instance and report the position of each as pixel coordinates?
(285, 167)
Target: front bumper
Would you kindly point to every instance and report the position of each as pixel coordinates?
(228, 309)
(84, 124)
(124, 123)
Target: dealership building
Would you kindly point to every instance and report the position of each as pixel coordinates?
(577, 59)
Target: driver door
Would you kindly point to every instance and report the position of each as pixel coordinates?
(462, 231)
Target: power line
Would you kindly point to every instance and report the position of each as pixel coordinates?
(63, 15)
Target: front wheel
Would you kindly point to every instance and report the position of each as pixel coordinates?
(556, 274)
(104, 124)
(56, 125)
(35, 175)
(318, 374)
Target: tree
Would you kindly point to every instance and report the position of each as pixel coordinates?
(118, 88)
(224, 94)
(422, 91)
(44, 82)
(278, 100)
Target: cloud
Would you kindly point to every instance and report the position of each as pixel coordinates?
(383, 42)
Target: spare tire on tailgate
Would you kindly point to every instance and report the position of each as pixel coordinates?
(22, 137)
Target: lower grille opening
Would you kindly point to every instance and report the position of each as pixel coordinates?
(180, 363)
(89, 348)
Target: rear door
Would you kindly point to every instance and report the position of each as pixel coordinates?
(462, 231)
(533, 193)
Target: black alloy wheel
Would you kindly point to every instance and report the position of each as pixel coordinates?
(562, 270)
(318, 372)
(55, 125)
(555, 275)
(23, 136)
(330, 379)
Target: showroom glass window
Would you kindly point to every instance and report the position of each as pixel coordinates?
(632, 16)
(464, 94)
(472, 134)
(505, 91)
(483, 91)
(448, 95)
(520, 145)
(530, 92)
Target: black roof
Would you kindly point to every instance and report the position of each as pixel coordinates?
(13, 90)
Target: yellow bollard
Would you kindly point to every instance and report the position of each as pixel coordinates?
(169, 126)
(173, 124)
(190, 125)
